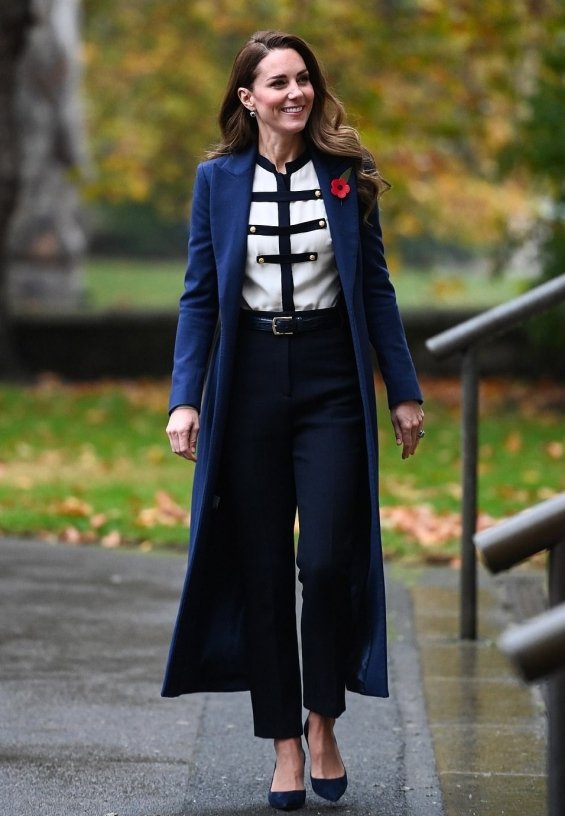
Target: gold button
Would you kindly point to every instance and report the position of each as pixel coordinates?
(318, 193)
(261, 260)
(252, 229)
(312, 257)
(322, 223)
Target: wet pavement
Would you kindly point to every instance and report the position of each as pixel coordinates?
(83, 639)
(488, 728)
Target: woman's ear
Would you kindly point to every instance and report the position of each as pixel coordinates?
(246, 98)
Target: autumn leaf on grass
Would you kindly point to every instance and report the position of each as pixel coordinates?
(165, 512)
(71, 535)
(96, 416)
(425, 525)
(546, 493)
(72, 506)
(98, 520)
(511, 493)
(112, 540)
(513, 442)
(555, 450)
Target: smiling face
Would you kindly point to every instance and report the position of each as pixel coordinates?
(281, 96)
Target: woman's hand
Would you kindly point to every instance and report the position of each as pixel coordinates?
(182, 431)
(408, 422)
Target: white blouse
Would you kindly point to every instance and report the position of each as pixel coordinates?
(290, 259)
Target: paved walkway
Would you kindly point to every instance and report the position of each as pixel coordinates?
(488, 729)
(83, 638)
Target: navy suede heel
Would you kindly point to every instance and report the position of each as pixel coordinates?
(287, 800)
(330, 789)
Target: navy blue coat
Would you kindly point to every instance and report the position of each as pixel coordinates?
(207, 652)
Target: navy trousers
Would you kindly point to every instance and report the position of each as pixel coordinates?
(295, 440)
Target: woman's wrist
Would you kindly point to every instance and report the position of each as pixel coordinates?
(176, 408)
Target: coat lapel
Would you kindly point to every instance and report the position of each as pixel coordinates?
(343, 214)
(230, 201)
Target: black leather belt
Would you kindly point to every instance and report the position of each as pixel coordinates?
(295, 323)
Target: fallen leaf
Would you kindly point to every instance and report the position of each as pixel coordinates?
(513, 442)
(98, 520)
(165, 512)
(96, 416)
(531, 477)
(426, 526)
(454, 490)
(72, 506)
(546, 493)
(513, 494)
(555, 450)
(71, 535)
(112, 540)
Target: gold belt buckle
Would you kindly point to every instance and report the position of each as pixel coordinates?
(275, 327)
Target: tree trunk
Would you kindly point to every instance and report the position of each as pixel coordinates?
(15, 19)
(47, 242)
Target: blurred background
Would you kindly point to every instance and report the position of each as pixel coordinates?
(106, 109)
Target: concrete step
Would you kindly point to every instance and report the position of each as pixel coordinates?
(488, 728)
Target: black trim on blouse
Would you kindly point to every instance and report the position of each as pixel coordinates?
(283, 196)
(291, 166)
(287, 195)
(293, 229)
(287, 260)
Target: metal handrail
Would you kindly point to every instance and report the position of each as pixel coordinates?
(537, 647)
(498, 319)
(515, 539)
(465, 338)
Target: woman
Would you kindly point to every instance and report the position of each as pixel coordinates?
(285, 291)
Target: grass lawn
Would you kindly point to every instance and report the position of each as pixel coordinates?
(134, 284)
(91, 463)
(118, 283)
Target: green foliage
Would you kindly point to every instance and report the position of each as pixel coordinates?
(541, 149)
(542, 143)
(436, 89)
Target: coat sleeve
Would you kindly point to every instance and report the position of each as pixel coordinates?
(386, 331)
(198, 308)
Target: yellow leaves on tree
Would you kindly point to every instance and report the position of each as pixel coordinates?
(435, 88)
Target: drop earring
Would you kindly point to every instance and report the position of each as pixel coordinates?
(252, 113)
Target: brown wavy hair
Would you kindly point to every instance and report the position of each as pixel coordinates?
(326, 127)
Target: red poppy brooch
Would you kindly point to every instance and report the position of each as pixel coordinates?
(339, 186)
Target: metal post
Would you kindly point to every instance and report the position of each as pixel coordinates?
(469, 437)
(556, 695)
